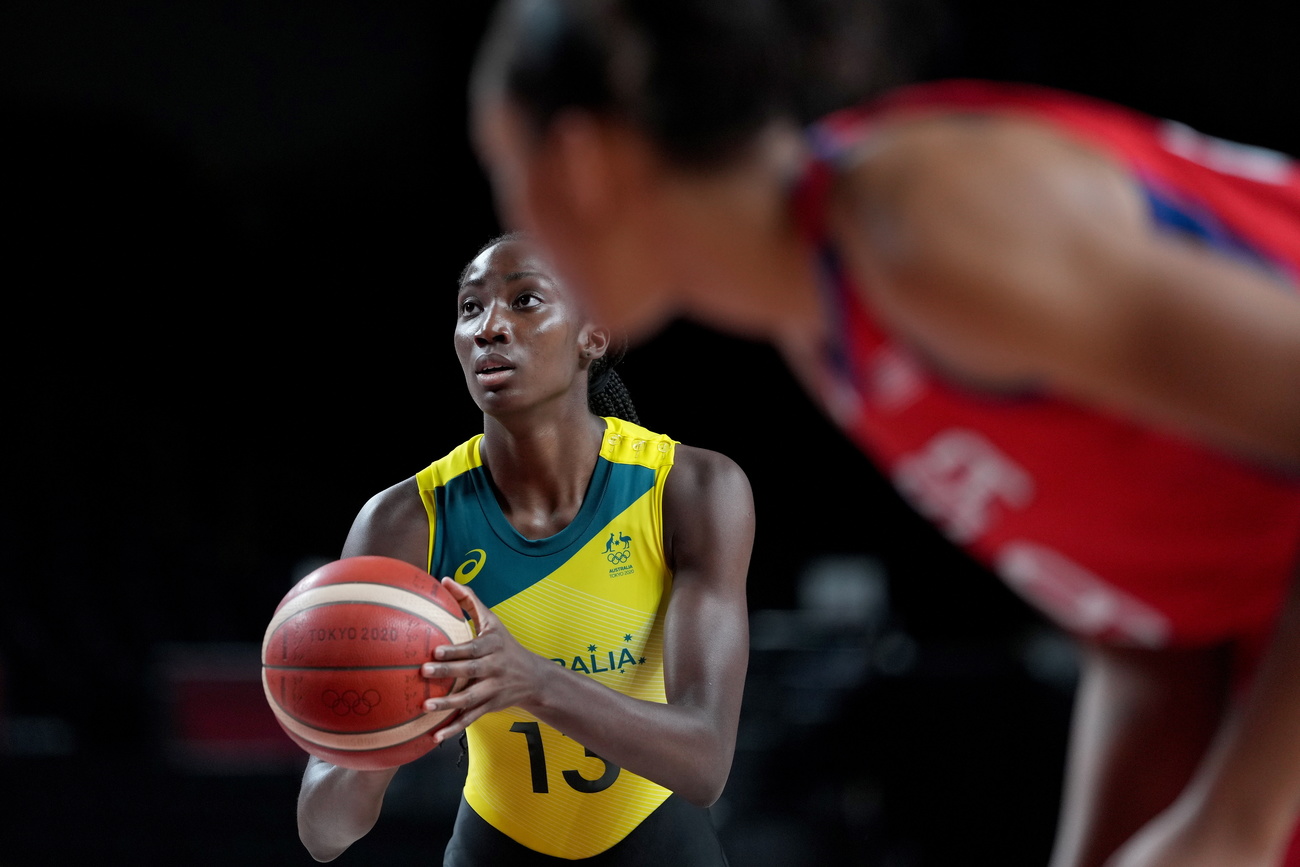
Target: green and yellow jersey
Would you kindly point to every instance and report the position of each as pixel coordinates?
(592, 598)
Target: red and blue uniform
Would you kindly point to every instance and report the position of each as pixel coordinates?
(1117, 531)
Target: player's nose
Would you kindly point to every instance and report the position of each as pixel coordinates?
(493, 326)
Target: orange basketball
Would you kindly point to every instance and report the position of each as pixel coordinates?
(341, 661)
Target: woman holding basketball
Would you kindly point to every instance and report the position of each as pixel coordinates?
(1069, 333)
(603, 567)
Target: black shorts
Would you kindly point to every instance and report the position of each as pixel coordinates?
(677, 833)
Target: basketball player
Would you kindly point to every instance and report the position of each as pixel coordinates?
(603, 566)
(1068, 332)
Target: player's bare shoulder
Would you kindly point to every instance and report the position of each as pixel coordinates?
(922, 189)
(698, 471)
(706, 494)
(980, 240)
(393, 522)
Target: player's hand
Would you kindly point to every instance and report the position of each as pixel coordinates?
(500, 672)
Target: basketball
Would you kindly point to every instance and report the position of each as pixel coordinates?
(341, 661)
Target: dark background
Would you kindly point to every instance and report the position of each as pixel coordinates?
(232, 232)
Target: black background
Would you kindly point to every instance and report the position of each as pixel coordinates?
(231, 235)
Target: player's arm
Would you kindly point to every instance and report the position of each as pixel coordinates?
(1143, 720)
(1242, 805)
(686, 745)
(1016, 258)
(338, 806)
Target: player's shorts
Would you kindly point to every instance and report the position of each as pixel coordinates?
(678, 834)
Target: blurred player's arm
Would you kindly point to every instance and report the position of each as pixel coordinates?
(1242, 806)
(1017, 259)
(688, 744)
(1143, 720)
(338, 806)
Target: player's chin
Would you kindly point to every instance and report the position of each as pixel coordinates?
(497, 399)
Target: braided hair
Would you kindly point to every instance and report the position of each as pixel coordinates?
(606, 393)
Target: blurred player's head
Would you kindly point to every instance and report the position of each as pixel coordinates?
(524, 339)
(698, 78)
(596, 119)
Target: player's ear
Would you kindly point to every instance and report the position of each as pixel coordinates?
(595, 342)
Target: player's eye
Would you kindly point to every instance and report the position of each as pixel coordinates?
(468, 307)
(527, 299)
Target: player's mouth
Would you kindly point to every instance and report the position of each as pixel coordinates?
(492, 370)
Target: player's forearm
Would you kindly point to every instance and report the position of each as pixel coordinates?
(1249, 787)
(338, 806)
(681, 747)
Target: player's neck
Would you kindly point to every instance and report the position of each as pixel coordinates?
(746, 267)
(541, 467)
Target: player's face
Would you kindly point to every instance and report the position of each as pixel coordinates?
(519, 334)
(605, 259)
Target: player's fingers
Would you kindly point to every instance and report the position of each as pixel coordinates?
(475, 648)
(469, 601)
(452, 701)
(448, 652)
(460, 593)
(467, 667)
(471, 705)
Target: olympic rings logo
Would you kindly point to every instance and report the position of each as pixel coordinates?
(351, 701)
(619, 556)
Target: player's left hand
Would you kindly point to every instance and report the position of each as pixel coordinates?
(501, 673)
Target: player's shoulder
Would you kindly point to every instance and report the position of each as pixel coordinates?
(948, 208)
(696, 471)
(707, 499)
(620, 428)
(388, 522)
(627, 442)
(706, 460)
(945, 169)
(693, 468)
(460, 460)
(393, 500)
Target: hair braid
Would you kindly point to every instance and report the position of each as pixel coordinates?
(606, 393)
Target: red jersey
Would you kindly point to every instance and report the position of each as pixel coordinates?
(1117, 531)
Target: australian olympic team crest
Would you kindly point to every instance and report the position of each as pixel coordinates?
(618, 551)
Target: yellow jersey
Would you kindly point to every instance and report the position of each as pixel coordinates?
(591, 598)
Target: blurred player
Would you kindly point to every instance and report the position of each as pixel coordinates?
(604, 568)
(1068, 332)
